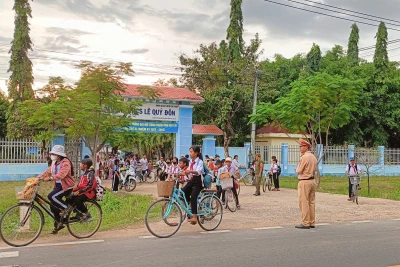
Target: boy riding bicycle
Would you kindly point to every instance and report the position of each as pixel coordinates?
(352, 170)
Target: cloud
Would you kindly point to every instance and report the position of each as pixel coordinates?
(5, 40)
(61, 31)
(135, 51)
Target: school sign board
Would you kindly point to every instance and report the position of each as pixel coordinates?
(158, 112)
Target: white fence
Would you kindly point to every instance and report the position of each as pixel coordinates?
(23, 151)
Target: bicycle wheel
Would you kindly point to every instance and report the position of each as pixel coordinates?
(269, 184)
(210, 213)
(355, 190)
(80, 228)
(265, 185)
(21, 224)
(248, 179)
(152, 177)
(163, 218)
(238, 189)
(130, 184)
(230, 200)
(353, 193)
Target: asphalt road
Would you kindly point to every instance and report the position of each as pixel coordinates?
(370, 243)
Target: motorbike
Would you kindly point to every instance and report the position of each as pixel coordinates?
(127, 178)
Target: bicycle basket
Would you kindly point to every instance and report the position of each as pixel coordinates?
(226, 182)
(165, 188)
(355, 179)
(27, 192)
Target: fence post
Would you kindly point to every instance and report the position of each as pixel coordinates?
(285, 159)
(209, 145)
(247, 146)
(351, 149)
(381, 159)
(320, 152)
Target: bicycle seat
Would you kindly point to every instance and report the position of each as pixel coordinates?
(209, 190)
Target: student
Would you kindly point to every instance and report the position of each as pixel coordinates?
(274, 172)
(174, 169)
(115, 182)
(86, 188)
(217, 172)
(61, 173)
(194, 185)
(183, 165)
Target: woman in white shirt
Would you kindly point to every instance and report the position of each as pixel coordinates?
(274, 173)
(194, 185)
(173, 169)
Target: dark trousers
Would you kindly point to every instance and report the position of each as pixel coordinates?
(115, 183)
(219, 191)
(192, 190)
(78, 201)
(275, 177)
(234, 193)
(55, 198)
(350, 188)
(163, 176)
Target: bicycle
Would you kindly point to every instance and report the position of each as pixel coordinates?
(230, 200)
(22, 223)
(267, 183)
(355, 181)
(128, 180)
(165, 216)
(249, 178)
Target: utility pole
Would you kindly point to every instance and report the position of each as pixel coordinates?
(253, 125)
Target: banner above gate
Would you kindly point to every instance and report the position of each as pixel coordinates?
(153, 127)
(158, 112)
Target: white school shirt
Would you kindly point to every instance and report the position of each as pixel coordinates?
(173, 169)
(235, 162)
(231, 170)
(198, 166)
(144, 164)
(353, 171)
(274, 167)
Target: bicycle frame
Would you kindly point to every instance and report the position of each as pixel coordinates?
(175, 198)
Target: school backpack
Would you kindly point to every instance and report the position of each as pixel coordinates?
(207, 178)
(100, 190)
(279, 170)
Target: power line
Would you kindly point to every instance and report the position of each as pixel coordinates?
(324, 14)
(338, 12)
(318, 3)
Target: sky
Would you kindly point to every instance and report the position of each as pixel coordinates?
(153, 33)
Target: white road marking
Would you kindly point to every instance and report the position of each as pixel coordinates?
(147, 237)
(366, 221)
(10, 254)
(59, 244)
(268, 228)
(216, 232)
(322, 224)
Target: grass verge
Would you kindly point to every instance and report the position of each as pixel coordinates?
(119, 210)
(387, 187)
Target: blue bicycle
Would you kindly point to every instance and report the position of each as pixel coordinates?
(165, 216)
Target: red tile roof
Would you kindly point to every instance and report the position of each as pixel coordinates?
(198, 129)
(164, 93)
(271, 129)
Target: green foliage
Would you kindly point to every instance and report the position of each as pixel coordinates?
(381, 59)
(314, 105)
(352, 47)
(235, 31)
(4, 106)
(314, 58)
(94, 109)
(21, 79)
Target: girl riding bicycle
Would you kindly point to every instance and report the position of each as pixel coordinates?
(194, 185)
(61, 173)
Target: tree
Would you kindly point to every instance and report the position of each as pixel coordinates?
(368, 158)
(381, 59)
(226, 87)
(172, 82)
(52, 90)
(4, 105)
(94, 109)
(315, 105)
(21, 78)
(314, 58)
(235, 31)
(352, 46)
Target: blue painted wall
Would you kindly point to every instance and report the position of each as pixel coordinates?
(15, 172)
